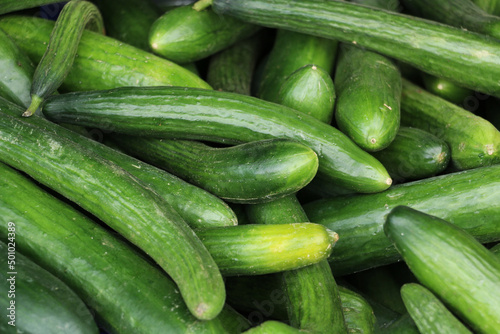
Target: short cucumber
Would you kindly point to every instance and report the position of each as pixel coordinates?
(358, 313)
(414, 154)
(368, 89)
(184, 34)
(101, 61)
(457, 268)
(446, 89)
(127, 293)
(188, 113)
(429, 313)
(473, 141)
(36, 295)
(469, 199)
(9, 6)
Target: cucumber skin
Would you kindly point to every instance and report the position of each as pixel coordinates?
(184, 34)
(358, 313)
(359, 219)
(9, 6)
(490, 6)
(429, 313)
(368, 97)
(94, 262)
(188, 113)
(469, 59)
(62, 165)
(40, 295)
(474, 142)
(458, 269)
(446, 89)
(273, 327)
(101, 61)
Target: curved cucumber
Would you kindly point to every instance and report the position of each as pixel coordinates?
(473, 141)
(446, 89)
(457, 268)
(184, 34)
(101, 62)
(253, 172)
(429, 313)
(414, 154)
(187, 113)
(37, 295)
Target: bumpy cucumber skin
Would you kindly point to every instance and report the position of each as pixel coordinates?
(414, 154)
(469, 59)
(474, 142)
(358, 313)
(368, 89)
(429, 313)
(446, 89)
(184, 34)
(359, 219)
(39, 296)
(457, 268)
(107, 192)
(310, 90)
(101, 62)
(188, 113)
(127, 293)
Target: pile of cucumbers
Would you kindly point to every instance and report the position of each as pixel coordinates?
(250, 166)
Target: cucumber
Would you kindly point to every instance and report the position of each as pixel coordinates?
(392, 5)
(16, 72)
(414, 154)
(403, 325)
(310, 90)
(490, 6)
(61, 51)
(177, 112)
(368, 97)
(9, 6)
(359, 219)
(127, 293)
(446, 89)
(358, 313)
(263, 249)
(469, 59)
(429, 313)
(184, 34)
(496, 249)
(273, 327)
(457, 268)
(101, 61)
(36, 295)
(233, 321)
(474, 142)
(107, 192)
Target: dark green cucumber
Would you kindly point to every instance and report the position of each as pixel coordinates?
(101, 62)
(457, 268)
(310, 90)
(58, 59)
(263, 249)
(496, 250)
(122, 202)
(414, 154)
(429, 313)
(16, 72)
(473, 141)
(358, 313)
(254, 172)
(368, 97)
(446, 89)
(127, 293)
(232, 320)
(9, 6)
(403, 325)
(469, 199)
(392, 5)
(188, 113)
(490, 6)
(273, 327)
(36, 295)
(469, 59)
(184, 34)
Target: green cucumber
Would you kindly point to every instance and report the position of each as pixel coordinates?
(403, 325)
(188, 113)
(469, 199)
(232, 320)
(9, 6)
(489, 6)
(429, 313)
(368, 97)
(457, 268)
(127, 293)
(358, 313)
(310, 90)
(263, 249)
(473, 141)
(469, 59)
(101, 62)
(16, 74)
(414, 154)
(36, 295)
(446, 89)
(254, 172)
(122, 202)
(184, 34)
(496, 250)
(61, 51)
(273, 327)
(392, 5)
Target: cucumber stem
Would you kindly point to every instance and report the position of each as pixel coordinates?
(35, 103)
(202, 4)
